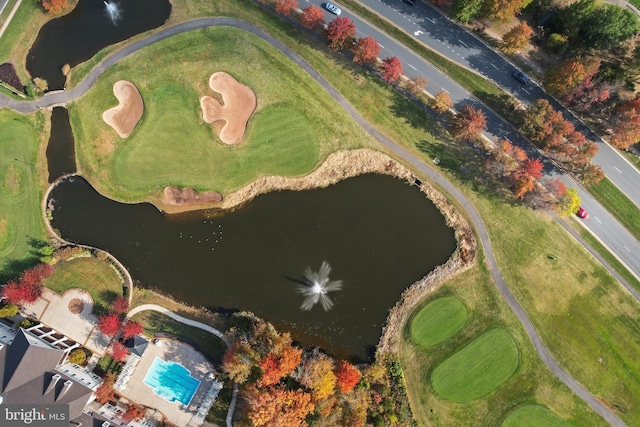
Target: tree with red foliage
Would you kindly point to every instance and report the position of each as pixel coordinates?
(312, 17)
(517, 38)
(626, 124)
(35, 275)
(55, 7)
(366, 50)
(277, 406)
(109, 324)
(119, 352)
(133, 412)
(131, 329)
(556, 187)
(105, 392)
(284, 7)
(561, 79)
(120, 305)
(531, 168)
(391, 69)
(20, 293)
(341, 33)
(469, 123)
(347, 376)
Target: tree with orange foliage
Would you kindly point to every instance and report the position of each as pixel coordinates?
(366, 51)
(133, 412)
(276, 406)
(522, 186)
(531, 168)
(275, 367)
(442, 102)
(391, 69)
(316, 374)
(561, 79)
(105, 392)
(517, 38)
(284, 7)
(312, 17)
(469, 123)
(503, 10)
(626, 124)
(55, 7)
(347, 376)
(341, 32)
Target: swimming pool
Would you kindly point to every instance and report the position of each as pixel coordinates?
(171, 381)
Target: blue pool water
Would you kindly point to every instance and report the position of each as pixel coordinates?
(171, 381)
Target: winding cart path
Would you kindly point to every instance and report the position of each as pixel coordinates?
(62, 97)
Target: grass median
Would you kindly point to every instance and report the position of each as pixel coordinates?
(616, 202)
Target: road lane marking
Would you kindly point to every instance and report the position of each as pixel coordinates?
(618, 169)
(380, 45)
(463, 43)
(491, 63)
(596, 218)
(526, 91)
(445, 90)
(417, 33)
(412, 66)
(432, 20)
(628, 250)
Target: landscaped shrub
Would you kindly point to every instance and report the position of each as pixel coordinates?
(8, 310)
(77, 356)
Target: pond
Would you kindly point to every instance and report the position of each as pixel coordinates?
(378, 233)
(88, 28)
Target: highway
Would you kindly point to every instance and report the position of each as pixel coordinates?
(602, 224)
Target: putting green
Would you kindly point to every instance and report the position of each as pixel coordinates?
(478, 368)
(438, 321)
(534, 415)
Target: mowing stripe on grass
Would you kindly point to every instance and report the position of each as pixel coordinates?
(534, 415)
(438, 321)
(478, 368)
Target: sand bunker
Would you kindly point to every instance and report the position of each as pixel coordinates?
(239, 104)
(124, 117)
(188, 196)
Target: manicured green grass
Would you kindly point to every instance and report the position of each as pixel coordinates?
(618, 204)
(534, 415)
(296, 123)
(478, 368)
(438, 321)
(107, 365)
(92, 274)
(20, 218)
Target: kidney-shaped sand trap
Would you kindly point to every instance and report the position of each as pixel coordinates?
(239, 104)
(124, 117)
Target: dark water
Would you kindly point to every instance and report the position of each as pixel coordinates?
(76, 37)
(61, 156)
(379, 235)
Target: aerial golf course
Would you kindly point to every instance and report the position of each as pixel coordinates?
(585, 318)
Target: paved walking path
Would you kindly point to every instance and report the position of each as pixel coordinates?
(62, 97)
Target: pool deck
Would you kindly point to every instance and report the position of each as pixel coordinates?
(170, 351)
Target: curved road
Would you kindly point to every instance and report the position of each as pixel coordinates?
(457, 43)
(62, 97)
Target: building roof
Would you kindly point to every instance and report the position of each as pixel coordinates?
(28, 357)
(137, 345)
(29, 376)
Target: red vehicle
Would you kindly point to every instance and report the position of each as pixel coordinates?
(582, 213)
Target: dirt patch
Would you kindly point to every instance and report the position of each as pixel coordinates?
(124, 117)
(76, 306)
(238, 104)
(188, 196)
(13, 180)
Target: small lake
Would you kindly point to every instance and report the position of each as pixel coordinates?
(378, 234)
(88, 28)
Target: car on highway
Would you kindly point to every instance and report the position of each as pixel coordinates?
(521, 77)
(332, 8)
(582, 213)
